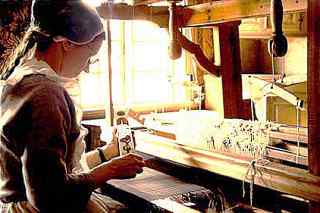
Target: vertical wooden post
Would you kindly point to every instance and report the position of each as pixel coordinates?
(234, 106)
(314, 91)
(110, 72)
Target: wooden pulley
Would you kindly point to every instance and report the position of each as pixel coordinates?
(278, 44)
(174, 48)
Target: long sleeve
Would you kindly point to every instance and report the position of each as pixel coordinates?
(49, 185)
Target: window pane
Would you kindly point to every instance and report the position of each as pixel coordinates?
(93, 90)
(117, 76)
(115, 28)
(150, 87)
(93, 85)
(146, 31)
(148, 56)
(179, 67)
(115, 55)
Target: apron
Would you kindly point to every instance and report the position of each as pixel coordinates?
(30, 65)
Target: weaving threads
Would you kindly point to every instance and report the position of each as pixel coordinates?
(240, 136)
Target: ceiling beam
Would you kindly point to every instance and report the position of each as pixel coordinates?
(198, 15)
(121, 11)
(230, 10)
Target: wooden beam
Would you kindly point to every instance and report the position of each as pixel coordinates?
(121, 11)
(313, 86)
(198, 15)
(145, 2)
(230, 10)
(286, 156)
(156, 14)
(275, 176)
(313, 91)
(288, 136)
(197, 52)
(234, 106)
(110, 85)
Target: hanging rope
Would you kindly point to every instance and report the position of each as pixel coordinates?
(273, 70)
(252, 172)
(251, 101)
(298, 116)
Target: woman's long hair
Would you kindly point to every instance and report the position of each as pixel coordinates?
(32, 37)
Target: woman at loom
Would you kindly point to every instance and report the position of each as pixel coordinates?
(41, 139)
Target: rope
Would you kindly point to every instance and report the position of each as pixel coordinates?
(298, 116)
(252, 171)
(251, 101)
(273, 70)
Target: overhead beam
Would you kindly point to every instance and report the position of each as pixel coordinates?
(231, 10)
(121, 11)
(198, 15)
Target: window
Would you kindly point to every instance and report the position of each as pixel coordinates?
(142, 73)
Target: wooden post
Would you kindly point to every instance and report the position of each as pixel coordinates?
(230, 70)
(111, 110)
(314, 91)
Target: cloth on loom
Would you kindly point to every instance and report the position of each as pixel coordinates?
(153, 186)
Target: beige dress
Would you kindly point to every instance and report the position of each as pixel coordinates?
(97, 202)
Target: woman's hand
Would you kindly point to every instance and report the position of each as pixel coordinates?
(122, 167)
(126, 166)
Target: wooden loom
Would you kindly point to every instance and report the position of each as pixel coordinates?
(277, 176)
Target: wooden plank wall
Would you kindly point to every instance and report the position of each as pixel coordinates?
(314, 91)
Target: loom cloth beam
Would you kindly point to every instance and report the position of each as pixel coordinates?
(276, 176)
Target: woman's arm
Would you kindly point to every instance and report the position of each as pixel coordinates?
(50, 186)
(110, 150)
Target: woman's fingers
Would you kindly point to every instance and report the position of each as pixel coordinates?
(135, 156)
(139, 170)
(127, 166)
